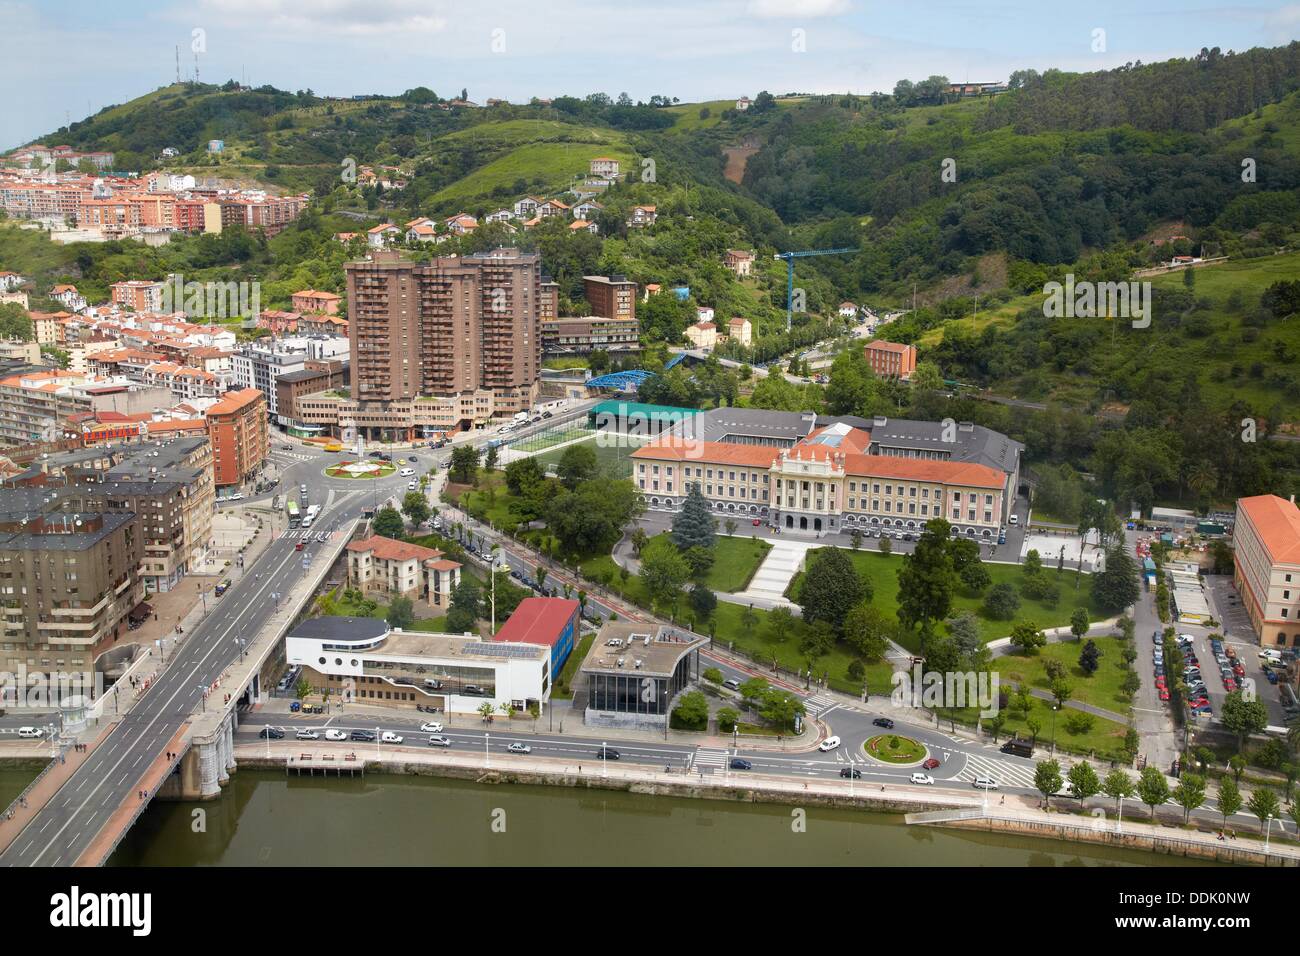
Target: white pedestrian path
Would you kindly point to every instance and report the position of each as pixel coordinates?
(777, 570)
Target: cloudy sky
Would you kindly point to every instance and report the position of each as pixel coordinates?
(62, 59)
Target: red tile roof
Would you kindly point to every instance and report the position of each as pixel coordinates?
(538, 620)
(965, 473)
(1277, 523)
(391, 550)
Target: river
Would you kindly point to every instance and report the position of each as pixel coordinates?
(267, 819)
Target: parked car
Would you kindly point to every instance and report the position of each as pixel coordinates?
(923, 778)
(984, 783)
(333, 734)
(305, 734)
(364, 736)
(830, 743)
(389, 737)
(271, 733)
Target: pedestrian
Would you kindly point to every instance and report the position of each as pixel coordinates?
(1003, 801)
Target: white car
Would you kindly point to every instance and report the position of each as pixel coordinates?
(830, 743)
(984, 783)
(389, 737)
(407, 472)
(333, 734)
(520, 749)
(431, 728)
(306, 734)
(437, 740)
(922, 778)
(412, 485)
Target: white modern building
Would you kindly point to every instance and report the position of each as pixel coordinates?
(363, 660)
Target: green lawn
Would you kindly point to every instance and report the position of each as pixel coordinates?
(1102, 689)
(562, 688)
(611, 456)
(551, 436)
(882, 571)
(337, 606)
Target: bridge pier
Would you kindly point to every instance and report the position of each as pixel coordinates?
(205, 767)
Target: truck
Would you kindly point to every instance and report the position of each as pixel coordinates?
(1018, 748)
(308, 518)
(520, 418)
(295, 517)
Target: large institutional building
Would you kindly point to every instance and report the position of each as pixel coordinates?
(442, 345)
(1266, 558)
(799, 472)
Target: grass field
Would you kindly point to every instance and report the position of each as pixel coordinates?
(1102, 689)
(613, 460)
(882, 570)
(552, 436)
(557, 165)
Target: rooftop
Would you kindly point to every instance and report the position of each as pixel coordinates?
(647, 649)
(538, 620)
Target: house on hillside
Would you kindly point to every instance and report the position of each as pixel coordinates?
(739, 261)
(603, 167)
(641, 217)
(382, 235)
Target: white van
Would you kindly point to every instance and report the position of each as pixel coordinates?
(1014, 519)
(30, 732)
(389, 737)
(1272, 655)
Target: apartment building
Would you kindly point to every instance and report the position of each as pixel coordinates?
(1266, 567)
(581, 335)
(401, 569)
(702, 335)
(613, 297)
(310, 300)
(890, 359)
(139, 295)
(238, 430)
(548, 299)
(41, 405)
(312, 378)
(449, 327)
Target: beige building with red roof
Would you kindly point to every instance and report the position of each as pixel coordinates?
(401, 569)
(312, 300)
(891, 359)
(1266, 567)
(702, 335)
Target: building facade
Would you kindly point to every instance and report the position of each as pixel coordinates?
(613, 297)
(237, 428)
(402, 569)
(1266, 567)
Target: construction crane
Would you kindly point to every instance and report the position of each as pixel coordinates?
(789, 258)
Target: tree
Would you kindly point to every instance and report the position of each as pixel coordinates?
(855, 538)
(996, 723)
(692, 711)
(1118, 785)
(463, 469)
(1061, 689)
(713, 675)
(1083, 780)
(830, 588)
(577, 464)
(1189, 794)
(700, 559)
(416, 507)
(591, 518)
(730, 525)
(975, 577)
(780, 624)
(753, 690)
(884, 546)
(1079, 623)
(780, 708)
(728, 717)
(485, 710)
(866, 631)
(401, 613)
(926, 580)
(1116, 587)
(1152, 789)
(1243, 717)
(638, 539)
(524, 477)
(1264, 804)
(388, 523)
(694, 526)
(490, 458)
(703, 601)
(663, 572)
(1047, 778)
(1002, 602)
(1026, 637)
(1090, 658)
(462, 615)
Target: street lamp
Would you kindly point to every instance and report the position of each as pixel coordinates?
(1055, 708)
(203, 696)
(487, 752)
(1267, 833)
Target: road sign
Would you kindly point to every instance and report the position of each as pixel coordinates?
(306, 562)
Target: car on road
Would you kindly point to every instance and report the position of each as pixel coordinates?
(407, 472)
(285, 446)
(883, 722)
(365, 736)
(830, 743)
(757, 522)
(1271, 676)
(548, 415)
(437, 740)
(607, 753)
(731, 683)
(299, 546)
(389, 737)
(518, 748)
(922, 778)
(333, 734)
(412, 485)
(984, 783)
(432, 727)
(739, 763)
(930, 763)
(305, 734)
(852, 773)
(271, 733)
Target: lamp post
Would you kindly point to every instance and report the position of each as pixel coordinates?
(487, 752)
(379, 736)
(1267, 833)
(1055, 708)
(1119, 819)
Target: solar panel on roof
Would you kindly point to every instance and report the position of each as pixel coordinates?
(501, 650)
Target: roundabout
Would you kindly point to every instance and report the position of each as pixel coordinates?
(895, 749)
(360, 469)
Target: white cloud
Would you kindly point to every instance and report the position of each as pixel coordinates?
(796, 9)
(346, 17)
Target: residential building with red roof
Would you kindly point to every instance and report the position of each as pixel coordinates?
(402, 569)
(1266, 567)
(891, 359)
(238, 430)
(312, 300)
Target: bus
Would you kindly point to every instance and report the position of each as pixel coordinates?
(312, 512)
(294, 518)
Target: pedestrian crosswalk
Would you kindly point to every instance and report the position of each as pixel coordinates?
(713, 759)
(1007, 773)
(308, 534)
(818, 705)
(297, 456)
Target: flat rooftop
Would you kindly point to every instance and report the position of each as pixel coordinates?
(410, 644)
(658, 658)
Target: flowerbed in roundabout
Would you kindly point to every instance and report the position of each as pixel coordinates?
(360, 469)
(894, 748)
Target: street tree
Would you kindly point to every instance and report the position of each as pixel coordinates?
(1152, 789)
(1047, 778)
(1118, 785)
(830, 588)
(1264, 804)
(1083, 780)
(1189, 793)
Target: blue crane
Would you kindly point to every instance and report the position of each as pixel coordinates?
(789, 258)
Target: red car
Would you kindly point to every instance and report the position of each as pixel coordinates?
(930, 764)
(1229, 684)
(757, 522)
(1164, 694)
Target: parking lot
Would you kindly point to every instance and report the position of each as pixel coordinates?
(1240, 637)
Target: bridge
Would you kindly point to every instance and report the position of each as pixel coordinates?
(176, 738)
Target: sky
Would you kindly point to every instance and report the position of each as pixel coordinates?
(67, 59)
